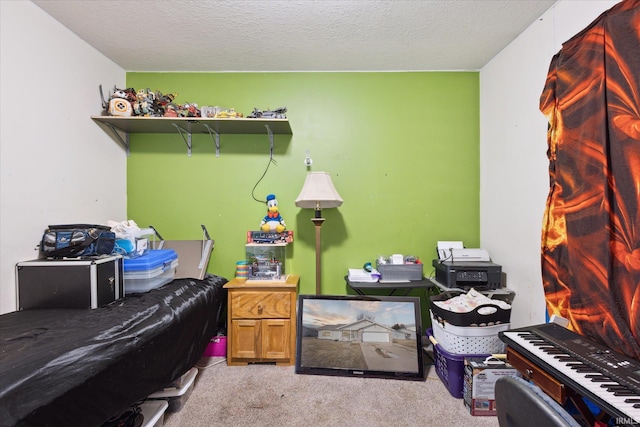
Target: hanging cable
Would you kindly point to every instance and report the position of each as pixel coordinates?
(271, 160)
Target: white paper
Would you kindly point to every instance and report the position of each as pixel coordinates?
(444, 248)
(360, 275)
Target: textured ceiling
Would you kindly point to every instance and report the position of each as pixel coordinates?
(297, 35)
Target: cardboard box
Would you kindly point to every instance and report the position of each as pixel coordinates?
(480, 376)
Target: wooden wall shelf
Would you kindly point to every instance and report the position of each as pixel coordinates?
(121, 127)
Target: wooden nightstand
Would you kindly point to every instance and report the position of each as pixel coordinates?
(261, 321)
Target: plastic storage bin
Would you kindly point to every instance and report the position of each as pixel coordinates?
(217, 347)
(399, 272)
(153, 412)
(450, 367)
(149, 271)
(472, 318)
(177, 397)
(468, 340)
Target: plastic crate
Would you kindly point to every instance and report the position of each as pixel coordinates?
(468, 340)
(450, 367)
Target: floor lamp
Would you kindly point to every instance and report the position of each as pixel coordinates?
(317, 193)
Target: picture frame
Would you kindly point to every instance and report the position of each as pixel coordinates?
(360, 336)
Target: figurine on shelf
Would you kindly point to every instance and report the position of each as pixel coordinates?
(188, 110)
(170, 110)
(162, 104)
(144, 104)
(273, 221)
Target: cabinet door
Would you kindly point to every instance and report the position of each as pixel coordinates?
(275, 338)
(246, 339)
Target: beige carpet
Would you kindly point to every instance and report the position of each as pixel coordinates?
(269, 395)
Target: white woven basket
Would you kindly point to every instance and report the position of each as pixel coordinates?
(468, 340)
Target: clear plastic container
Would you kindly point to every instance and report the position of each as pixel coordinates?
(149, 271)
(177, 397)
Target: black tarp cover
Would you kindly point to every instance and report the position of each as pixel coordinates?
(81, 367)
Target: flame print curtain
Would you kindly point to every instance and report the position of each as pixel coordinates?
(591, 228)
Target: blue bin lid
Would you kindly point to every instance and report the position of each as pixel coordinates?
(152, 259)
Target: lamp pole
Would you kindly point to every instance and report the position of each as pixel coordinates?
(318, 192)
(317, 222)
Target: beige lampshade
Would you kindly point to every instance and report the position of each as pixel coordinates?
(318, 192)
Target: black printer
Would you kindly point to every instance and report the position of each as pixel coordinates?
(480, 275)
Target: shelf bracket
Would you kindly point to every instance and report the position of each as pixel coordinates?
(187, 140)
(270, 141)
(123, 141)
(216, 138)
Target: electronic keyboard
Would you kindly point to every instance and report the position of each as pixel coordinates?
(611, 380)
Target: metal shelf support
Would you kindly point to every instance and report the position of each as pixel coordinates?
(216, 138)
(187, 140)
(123, 141)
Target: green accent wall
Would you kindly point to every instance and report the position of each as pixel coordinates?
(402, 149)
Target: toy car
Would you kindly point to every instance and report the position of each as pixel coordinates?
(278, 113)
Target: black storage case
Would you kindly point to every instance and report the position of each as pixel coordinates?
(88, 282)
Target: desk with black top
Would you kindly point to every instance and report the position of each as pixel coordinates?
(402, 288)
(398, 289)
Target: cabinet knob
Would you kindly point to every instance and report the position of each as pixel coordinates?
(259, 308)
(529, 372)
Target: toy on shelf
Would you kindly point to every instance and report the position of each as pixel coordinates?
(278, 113)
(266, 261)
(269, 237)
(120, 102)
(229, 113)
(272, 221)
(146, 103)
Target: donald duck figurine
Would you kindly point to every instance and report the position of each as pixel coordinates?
(272, 220)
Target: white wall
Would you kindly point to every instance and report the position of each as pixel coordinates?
(514, 178)
(57, 165)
